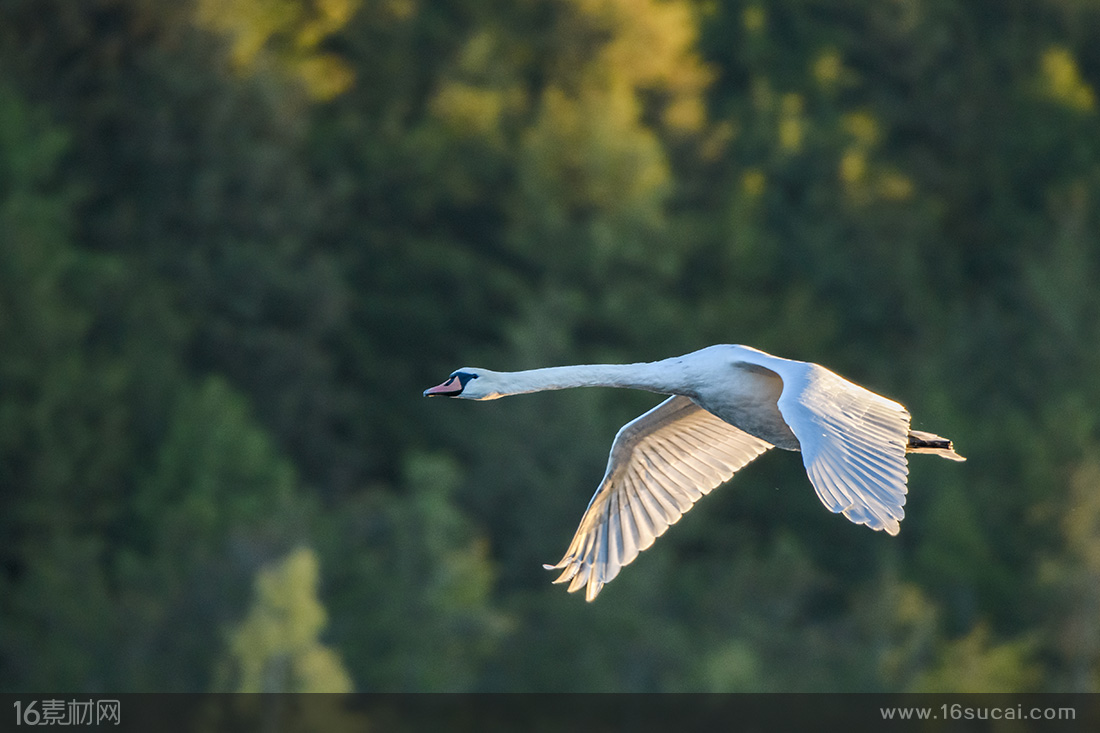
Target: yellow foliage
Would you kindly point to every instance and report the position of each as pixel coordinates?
(1081, 525)
(827, 68)
(285, 33)
(754, 18)
(276, 647)
(791, 123)
(895, 186)
(853, 166)
(594, 151)
(651, 47)
(790, 134)
(1063, 82)
(753, 182)
(475, 97)
(480, 54)
(325, 76)
(863, 127)
(469, 109)
(913, 608)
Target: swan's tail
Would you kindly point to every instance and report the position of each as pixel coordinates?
(921, 442)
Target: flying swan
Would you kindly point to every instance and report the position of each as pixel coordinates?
(729, 404)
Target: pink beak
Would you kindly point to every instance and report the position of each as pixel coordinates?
(451, 386)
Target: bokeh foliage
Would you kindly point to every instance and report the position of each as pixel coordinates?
(237, 239)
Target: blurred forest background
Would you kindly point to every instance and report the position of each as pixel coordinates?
(238, 238)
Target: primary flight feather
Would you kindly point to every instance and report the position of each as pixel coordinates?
(729, 404)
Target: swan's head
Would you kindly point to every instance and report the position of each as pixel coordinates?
(468, 383)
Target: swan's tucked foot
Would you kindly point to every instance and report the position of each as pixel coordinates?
(922, 442)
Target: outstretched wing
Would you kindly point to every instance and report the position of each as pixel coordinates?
(660, 464)
(853, 443)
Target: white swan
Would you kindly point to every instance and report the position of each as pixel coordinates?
(730, 404)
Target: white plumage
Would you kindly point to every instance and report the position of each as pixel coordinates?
(730, 404)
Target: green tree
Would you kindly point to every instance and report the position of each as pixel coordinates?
(199, 178)
(1072, 579)
(974, 663)
(64, 412)
(237, 239)
(412, 604)
(217, 502)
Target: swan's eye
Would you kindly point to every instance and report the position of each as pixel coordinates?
(464, 377)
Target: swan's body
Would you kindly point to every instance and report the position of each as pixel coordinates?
(729, 404)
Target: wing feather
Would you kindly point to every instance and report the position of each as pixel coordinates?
(661, 463)
(853, 443)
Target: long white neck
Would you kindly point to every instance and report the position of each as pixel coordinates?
(667, 377)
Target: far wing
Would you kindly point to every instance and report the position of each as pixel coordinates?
(853, 443)
(660, 464)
